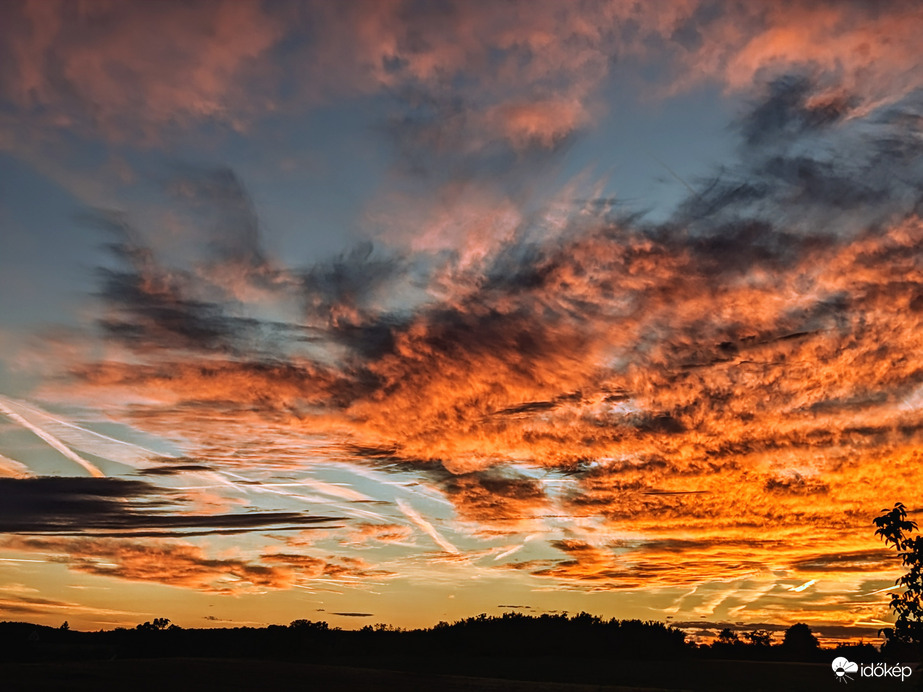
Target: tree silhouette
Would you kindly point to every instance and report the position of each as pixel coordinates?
(728, 636)
(759, 638)
(894, 529)
(800, 641)
(308, 626)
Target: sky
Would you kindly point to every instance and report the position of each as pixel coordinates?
(405, 311)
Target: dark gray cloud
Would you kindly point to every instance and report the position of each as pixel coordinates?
(354, 615)
(113, 506)
(189, 297)
(787, 110)
(153, 307)
(847, 561)
(807, 169)
(344, 296)
(174, 469)
(796, 484)
(225, 213)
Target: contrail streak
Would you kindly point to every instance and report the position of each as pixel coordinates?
(426, 527)
(310, 499)
(51, 440)
(507, 553)
(18, 559)
(673, 173)
(803, 586)
(322, 487)
(83, 438)
(887, 588)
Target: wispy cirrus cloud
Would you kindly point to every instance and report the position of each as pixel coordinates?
(25, 602)
(10, 468)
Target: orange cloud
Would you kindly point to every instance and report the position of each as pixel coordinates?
(526, 73)
(138, 69)
(496, 503)
(542, 122)
(334, 567)
(186, 565)
(861, 49)
(172, 563)
(669, 384)
(382, 533)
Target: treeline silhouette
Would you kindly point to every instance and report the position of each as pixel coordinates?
(511, 635)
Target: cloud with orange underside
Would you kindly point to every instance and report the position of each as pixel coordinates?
(186, 565)
(173, 563)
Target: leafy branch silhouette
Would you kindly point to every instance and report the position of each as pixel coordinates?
(896, 530)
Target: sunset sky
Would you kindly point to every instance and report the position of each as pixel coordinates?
(407, 311)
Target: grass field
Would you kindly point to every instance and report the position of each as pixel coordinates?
(463, 675)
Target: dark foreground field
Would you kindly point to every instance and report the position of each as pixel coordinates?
(460, 675)
(514, 653)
